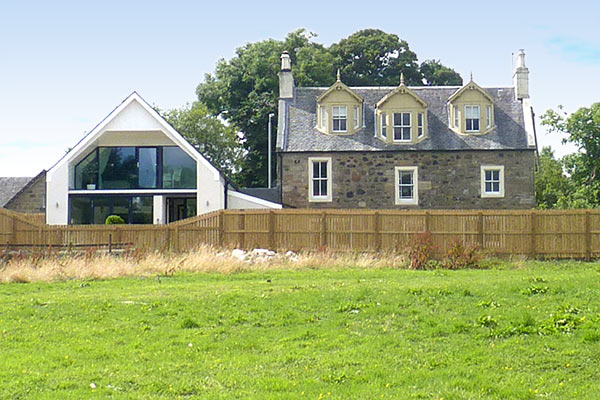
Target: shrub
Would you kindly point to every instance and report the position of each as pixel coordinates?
(114, 220)
(461, 256)
(420, 250)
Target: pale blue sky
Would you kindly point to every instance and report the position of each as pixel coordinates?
(65, 65)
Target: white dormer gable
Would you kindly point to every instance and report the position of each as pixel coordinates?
(134, 117)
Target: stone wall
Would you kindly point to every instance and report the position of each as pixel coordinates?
(447, 179)
(32, 198)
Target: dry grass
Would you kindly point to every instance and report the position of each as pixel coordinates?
(54, 267)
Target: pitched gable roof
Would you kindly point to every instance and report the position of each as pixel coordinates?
(171, 133)
(402, 89)
(298, 132)
(10, 186)
(339, 85)
(470, 86)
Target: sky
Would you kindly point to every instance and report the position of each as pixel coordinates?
(65, 65)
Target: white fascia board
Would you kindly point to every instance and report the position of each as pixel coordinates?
(169, 131)
(528, 119)
(134, 191)
(247, 197)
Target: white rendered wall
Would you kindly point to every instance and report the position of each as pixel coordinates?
(241, 201)
(57, 196)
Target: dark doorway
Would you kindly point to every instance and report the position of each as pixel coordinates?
(180, 208)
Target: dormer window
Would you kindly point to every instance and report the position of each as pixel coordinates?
(384, 125)
(340, 114)
(402, 127)
(472, 114)
(456, 118)
(323, 117)
(356, 117)
(420, 118)
(489, 116)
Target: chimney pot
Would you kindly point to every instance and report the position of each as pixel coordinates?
(521, 77)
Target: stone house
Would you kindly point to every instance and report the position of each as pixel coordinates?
(406, 147)
(26, 195)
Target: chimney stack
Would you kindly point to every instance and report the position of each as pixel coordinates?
(286, 79)
(521, 77)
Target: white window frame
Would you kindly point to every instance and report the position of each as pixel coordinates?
(472, 107)
(339, 116)
(311, 197)
(324, 118)
(485, 193)
(489, 116)
(456, 117)
(415, 183)
(402, 127)
(420, 124)
(384, 124)
(356, 117)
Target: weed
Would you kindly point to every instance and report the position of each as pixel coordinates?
(420, 250)
(189, 323)
(487, 321)
(460, 256)
(535, 289)
(489, 304)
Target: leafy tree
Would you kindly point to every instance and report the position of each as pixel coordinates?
(244, 90)
(436, 74)
(551, 183)
(371, 57)
(583, 168)
(218, 142)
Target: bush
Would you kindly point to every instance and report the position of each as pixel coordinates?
(114, 220)
(461, 256)
(420, 250)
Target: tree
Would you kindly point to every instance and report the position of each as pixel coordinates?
(372, 57)
(552, 187)
(583, 168)
(243, 90)
(218, 142)
(436, 74)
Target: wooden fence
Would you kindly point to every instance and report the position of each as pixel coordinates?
(547, 234)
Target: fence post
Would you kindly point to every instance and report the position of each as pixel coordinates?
(242, 229)
(271, 230)
(480, 229)
(427, 221)
(221, 231)
(377, 226)
(14, 230)
(110, 243)
(176, 239)
(323, 241)
(533, 232)
(588, 237)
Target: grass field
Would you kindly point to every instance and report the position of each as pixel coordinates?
(346, 333)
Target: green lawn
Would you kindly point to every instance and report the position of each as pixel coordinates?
(504, 333)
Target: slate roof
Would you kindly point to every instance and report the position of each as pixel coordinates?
(299, 133)
(9, 186)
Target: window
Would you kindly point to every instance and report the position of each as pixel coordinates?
(95, 209)
(319, 179)
(356, 117)
(420, 118)
(384, 125)
(179, 169)
(86, 172)
(472, 118)
(406, 185)
(323, 118)
(492, 181)
(340, 113)
(402, 126)
(489, 116)
(456, 118)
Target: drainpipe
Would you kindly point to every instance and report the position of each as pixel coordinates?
(271, 115)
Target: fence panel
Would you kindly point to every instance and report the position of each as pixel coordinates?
(552, 234)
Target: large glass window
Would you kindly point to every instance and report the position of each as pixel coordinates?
(117, 168)
(147, 167)
(179, 169)
(141, 210)
(95, 209)
(81, 210)
(86, 172)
